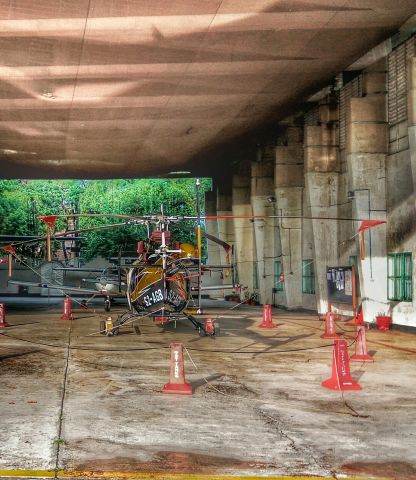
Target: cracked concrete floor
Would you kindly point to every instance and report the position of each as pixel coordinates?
(79, 401)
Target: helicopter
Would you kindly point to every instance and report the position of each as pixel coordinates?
(161, 282)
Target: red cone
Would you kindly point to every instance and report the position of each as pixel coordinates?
(357, 321)
(177, 383)
(341, 377)
(330, 326)
(267, 318)
(67, 315)
(3, 323)
(361, 354)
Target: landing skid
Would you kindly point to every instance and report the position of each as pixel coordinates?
(110, 328)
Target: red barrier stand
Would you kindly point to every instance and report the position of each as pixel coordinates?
(267, 321)
(67, 315)
(160, 320)
(330, 327)
(3, 323)
(341, 377)
(177, 383)
(361, 354)
(209, 326)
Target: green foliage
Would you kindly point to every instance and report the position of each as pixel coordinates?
(22, 200)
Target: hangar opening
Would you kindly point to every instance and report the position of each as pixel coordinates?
(258, 319)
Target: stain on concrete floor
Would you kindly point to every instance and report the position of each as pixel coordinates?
(393, 470)
(170, 462)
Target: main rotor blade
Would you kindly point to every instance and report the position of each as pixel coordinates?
(214, 239)
(254, 217)
(102, 215)
(69, 234)
(217, 240)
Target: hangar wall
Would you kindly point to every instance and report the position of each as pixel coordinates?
(349, 154)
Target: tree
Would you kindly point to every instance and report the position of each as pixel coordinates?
(22, 200)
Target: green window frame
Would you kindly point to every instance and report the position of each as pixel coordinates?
(399, 276)
(308, 276)
(278, 270)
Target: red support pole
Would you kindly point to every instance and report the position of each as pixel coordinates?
(267, 321)
(3, 323)
(361, 354)
(330, 326)
(177, 383)
(341, 377)
(67, 314)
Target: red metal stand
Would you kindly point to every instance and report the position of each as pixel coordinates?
(177, 383)
(361, 354)
(67, 315)
(209, 326)
(160, 320)
(330, 326)
(3, 323)
(341, 377)
(267, 321)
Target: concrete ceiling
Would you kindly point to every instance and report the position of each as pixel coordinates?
(134, 88)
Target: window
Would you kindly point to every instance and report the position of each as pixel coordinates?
(308, 276)
(399, 276)
(278, 270)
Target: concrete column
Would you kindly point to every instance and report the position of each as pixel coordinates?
(321, 180)
(411, 103)
(225, 228)
(263, 203)
(366, 157)
(289, 193)
(243, 231)
(212, 277)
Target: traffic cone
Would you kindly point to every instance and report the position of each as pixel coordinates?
(341, 377)
(357, 321)
(177, 383)
(330, 326)
(361, 354)
(267, 318)
(3, 323)
(67, 315)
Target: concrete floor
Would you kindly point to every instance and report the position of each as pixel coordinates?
(85, 404)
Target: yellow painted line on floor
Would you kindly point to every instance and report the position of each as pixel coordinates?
(155, 476)
(28, 473)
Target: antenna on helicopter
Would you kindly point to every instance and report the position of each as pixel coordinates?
(199, 243)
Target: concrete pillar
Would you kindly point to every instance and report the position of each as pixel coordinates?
(243, 231)
(411, 103)
(289, 192)
(263, 203)
(321, 181)
(225, 228)
(366, 157)
(212, 277)
(411, 109)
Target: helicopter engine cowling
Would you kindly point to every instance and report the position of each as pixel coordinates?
(152, 290)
